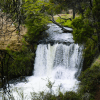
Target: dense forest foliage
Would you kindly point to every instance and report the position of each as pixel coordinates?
(35, 15)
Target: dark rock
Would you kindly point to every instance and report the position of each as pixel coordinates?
(18, 80)
(52, 42)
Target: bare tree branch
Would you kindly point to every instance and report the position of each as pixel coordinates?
(64, 18)
(65, 30)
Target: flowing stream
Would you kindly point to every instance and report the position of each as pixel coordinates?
(59, 63)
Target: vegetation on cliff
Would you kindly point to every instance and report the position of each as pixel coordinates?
(90, 80)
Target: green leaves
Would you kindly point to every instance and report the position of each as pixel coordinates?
(90, 79)
(77, 22)
(21, 65)
(82, 30)
(36, 19)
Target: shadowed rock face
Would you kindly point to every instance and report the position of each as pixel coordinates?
(52, 42)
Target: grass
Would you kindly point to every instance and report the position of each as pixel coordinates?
(62, 21)
(66, 23)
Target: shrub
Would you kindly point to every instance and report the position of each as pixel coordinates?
(66, 23)
(90, 79)
(21, 63)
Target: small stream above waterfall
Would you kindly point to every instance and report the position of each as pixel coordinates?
(59, 62)
(56, 33)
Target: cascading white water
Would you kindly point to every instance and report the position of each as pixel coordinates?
(58, 63)
(49, 58)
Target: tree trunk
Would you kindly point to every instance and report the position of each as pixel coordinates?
(73, 12)
(99, 42)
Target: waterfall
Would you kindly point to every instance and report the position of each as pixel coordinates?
(60, 63)
(57, 57)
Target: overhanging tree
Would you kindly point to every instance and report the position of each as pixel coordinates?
(88, 26)
(86, 29)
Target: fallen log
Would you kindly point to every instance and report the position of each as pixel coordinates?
(65, 18)
(64, 29)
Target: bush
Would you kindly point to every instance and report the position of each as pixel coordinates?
(21, 63)
(90, 79)
(90, 52)
(66, 23)
(71, 96)
(83, 34)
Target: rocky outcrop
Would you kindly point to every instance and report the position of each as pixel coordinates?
(52, 42)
